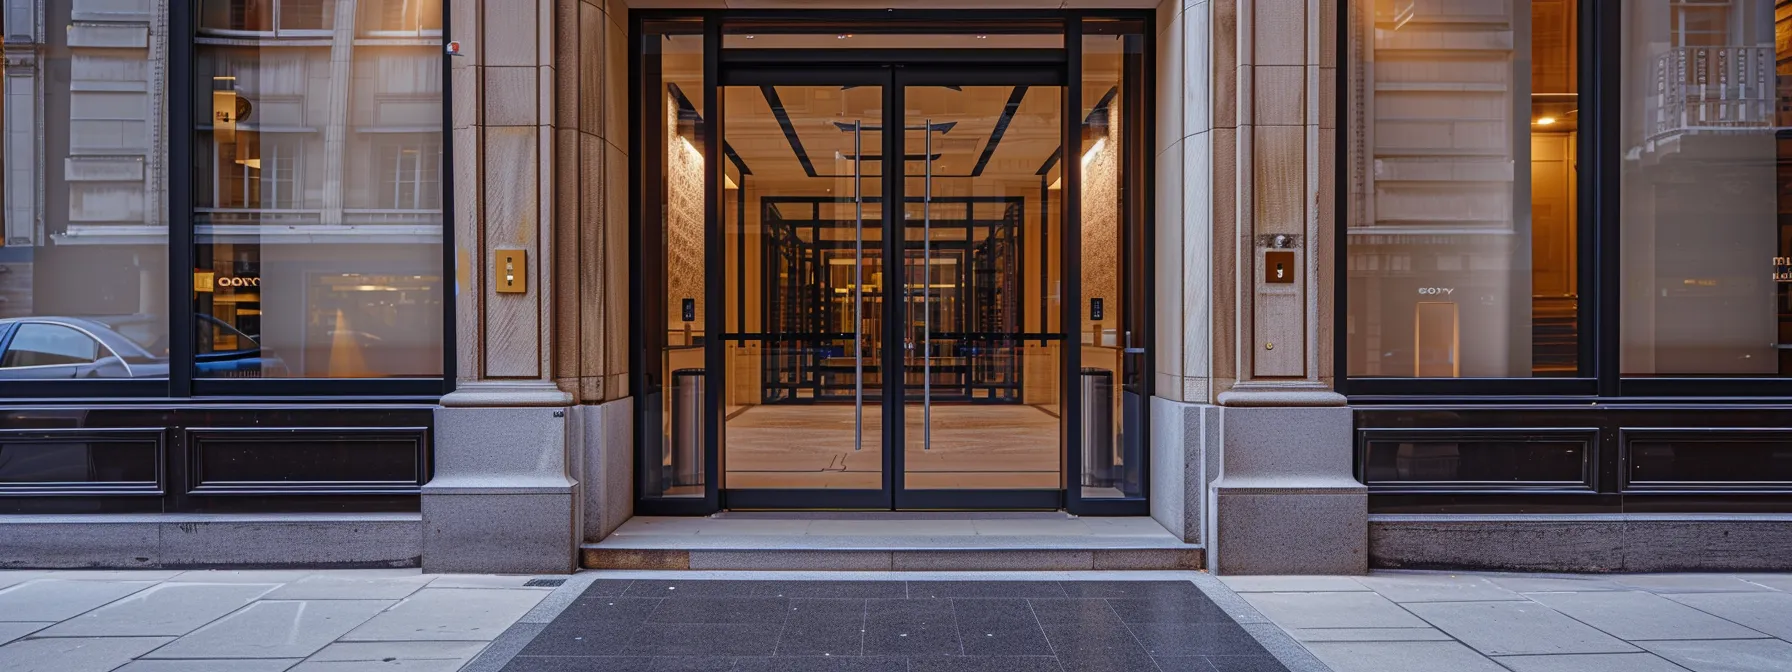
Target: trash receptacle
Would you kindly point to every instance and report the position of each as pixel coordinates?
(687, 427)
(1098, 428)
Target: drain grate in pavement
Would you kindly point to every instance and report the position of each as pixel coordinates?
(544, 583)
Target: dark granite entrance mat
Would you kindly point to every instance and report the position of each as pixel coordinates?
(876, 626)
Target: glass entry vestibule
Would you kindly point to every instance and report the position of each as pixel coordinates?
(876, 299)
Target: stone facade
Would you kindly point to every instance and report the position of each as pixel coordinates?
(1245, 137)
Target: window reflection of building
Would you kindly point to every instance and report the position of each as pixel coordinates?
(1461, 175)
(1702, 189)
(83, 163)
(323, 183)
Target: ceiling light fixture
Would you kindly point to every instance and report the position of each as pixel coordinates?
(1546, 121)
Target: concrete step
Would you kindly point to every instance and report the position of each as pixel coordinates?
(858, 542)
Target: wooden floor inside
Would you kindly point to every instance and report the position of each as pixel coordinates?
(973, 446)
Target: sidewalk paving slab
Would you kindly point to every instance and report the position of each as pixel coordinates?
(1634, 616)
(1553, 584)
(1514, 628)
(77, 654)
(1369, 635)
(1590, 662)
(1403, 588)
(400, 656)
(60, 599)
(1689, 583)
(303, 627)
(1292, 584)
(457, 614)
(239, 665)
(1770, 613)
(1738, 655)
(163, 610)
(333, 586)
(1401, 657)
(10, 631)
(1332, 610)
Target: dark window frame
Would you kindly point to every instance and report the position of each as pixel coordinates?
(181, 384)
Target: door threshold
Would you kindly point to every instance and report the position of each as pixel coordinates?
(876, 515)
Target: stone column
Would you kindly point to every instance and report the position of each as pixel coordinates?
(533, 450)
(503, 497)
(1284, 499)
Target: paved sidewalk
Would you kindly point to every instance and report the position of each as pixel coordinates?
(405, 621)
(253, 621)
(1469, 622)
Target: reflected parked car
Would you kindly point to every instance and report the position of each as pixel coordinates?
(128, 346)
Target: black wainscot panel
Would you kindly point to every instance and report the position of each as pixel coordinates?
(1707, 458)
(214, 458)
(1481, 460)
(270, 461)
(1638, 458)
(81, 461)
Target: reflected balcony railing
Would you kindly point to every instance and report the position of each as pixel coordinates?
(1712, 90)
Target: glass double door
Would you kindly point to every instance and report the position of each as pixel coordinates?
(893, 331)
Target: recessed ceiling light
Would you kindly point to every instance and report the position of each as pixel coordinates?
(1545, 121)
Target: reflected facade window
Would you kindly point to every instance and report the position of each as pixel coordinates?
(317, 189)
(1706, 259)
(83, 175)
(1461, 175)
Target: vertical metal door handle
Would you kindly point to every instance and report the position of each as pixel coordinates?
(858, 289)
(927, 291)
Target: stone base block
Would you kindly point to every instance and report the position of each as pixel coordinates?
(502, 500)
(1314, 532)
(1179, 440)
(1584, 543)
(1285, 500)
(608, 465)
(498, 533)
(197, 541)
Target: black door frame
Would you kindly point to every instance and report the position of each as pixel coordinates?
(1072, 25)
(893, 71)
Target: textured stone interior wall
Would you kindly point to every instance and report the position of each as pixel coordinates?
(684, 225)
(1101, 228)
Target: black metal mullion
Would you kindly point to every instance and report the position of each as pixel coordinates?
(714, 357)
(895, 236)
(181, 138)
(445, 172)
(1601, 62)
(1070, 396)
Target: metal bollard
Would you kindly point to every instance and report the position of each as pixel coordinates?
(687, 427)
(1098, 428)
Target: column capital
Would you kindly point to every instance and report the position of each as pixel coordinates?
(515, 393)
(1293, 393)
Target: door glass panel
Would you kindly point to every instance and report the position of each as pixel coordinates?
(979, 288)
(672, 259)
(1112, 222)
(803, 240)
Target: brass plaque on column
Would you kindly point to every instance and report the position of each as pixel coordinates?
(1278, 266)
(510, 272)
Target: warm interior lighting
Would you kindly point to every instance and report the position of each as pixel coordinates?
(252, 163)
(1087, 157)
(1545, 121)
(728, 182)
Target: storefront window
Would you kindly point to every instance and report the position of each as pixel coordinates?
(317, 186)
(1461, 133)
(84, 258)
(1706, 244)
